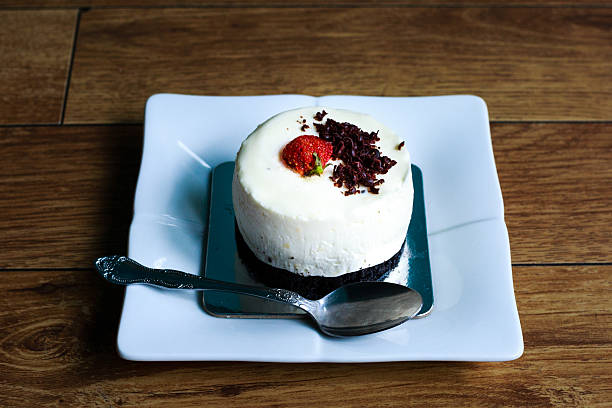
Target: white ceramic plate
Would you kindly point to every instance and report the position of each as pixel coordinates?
(474, 317)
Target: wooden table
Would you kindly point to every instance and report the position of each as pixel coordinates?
(74, 78)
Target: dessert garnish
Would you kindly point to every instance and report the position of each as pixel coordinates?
(320, 115)
(307, 155)
(399, 146)
(361, 159)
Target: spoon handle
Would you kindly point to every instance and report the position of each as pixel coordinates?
(122, 270)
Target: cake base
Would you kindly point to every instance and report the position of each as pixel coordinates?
(311, 287)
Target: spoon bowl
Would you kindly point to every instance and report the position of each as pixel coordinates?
(365, 307)
(351, 310)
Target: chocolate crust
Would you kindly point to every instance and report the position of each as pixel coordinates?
(311, 287)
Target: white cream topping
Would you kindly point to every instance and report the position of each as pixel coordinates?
(305, 224)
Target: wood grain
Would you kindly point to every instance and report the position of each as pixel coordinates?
(69, 199)
(528, 63)
(294, 3)
(35, 49)
(57, 347)
(557, 186)
(67, 193)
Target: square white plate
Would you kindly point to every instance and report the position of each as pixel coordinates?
(474, 317)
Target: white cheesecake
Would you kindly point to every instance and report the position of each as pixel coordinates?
(308, 225)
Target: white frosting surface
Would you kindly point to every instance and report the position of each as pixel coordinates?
(305, 224)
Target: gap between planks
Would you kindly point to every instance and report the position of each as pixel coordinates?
(493, 122)
(514, 265)
(238, 5)
(75, 37)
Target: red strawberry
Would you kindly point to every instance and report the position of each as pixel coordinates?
(307, 154)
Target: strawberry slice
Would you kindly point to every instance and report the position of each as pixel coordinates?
(307, 155)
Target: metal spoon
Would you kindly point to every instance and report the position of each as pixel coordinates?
(351, 310)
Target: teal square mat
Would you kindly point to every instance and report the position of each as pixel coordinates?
(222, 261)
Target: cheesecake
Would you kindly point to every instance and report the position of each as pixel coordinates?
(322, 197)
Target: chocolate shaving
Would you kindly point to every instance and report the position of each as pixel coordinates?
(320, 115)
(361, 159)
(399, 146)
(304, 127)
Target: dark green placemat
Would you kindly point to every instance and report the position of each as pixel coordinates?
(223, 263)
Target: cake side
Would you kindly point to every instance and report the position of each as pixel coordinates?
(252, 271)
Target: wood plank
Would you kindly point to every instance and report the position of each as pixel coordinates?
(298, 3)
(557, 186)
(69, 199)
(57, 346)
(35, 56)
(528, 63)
